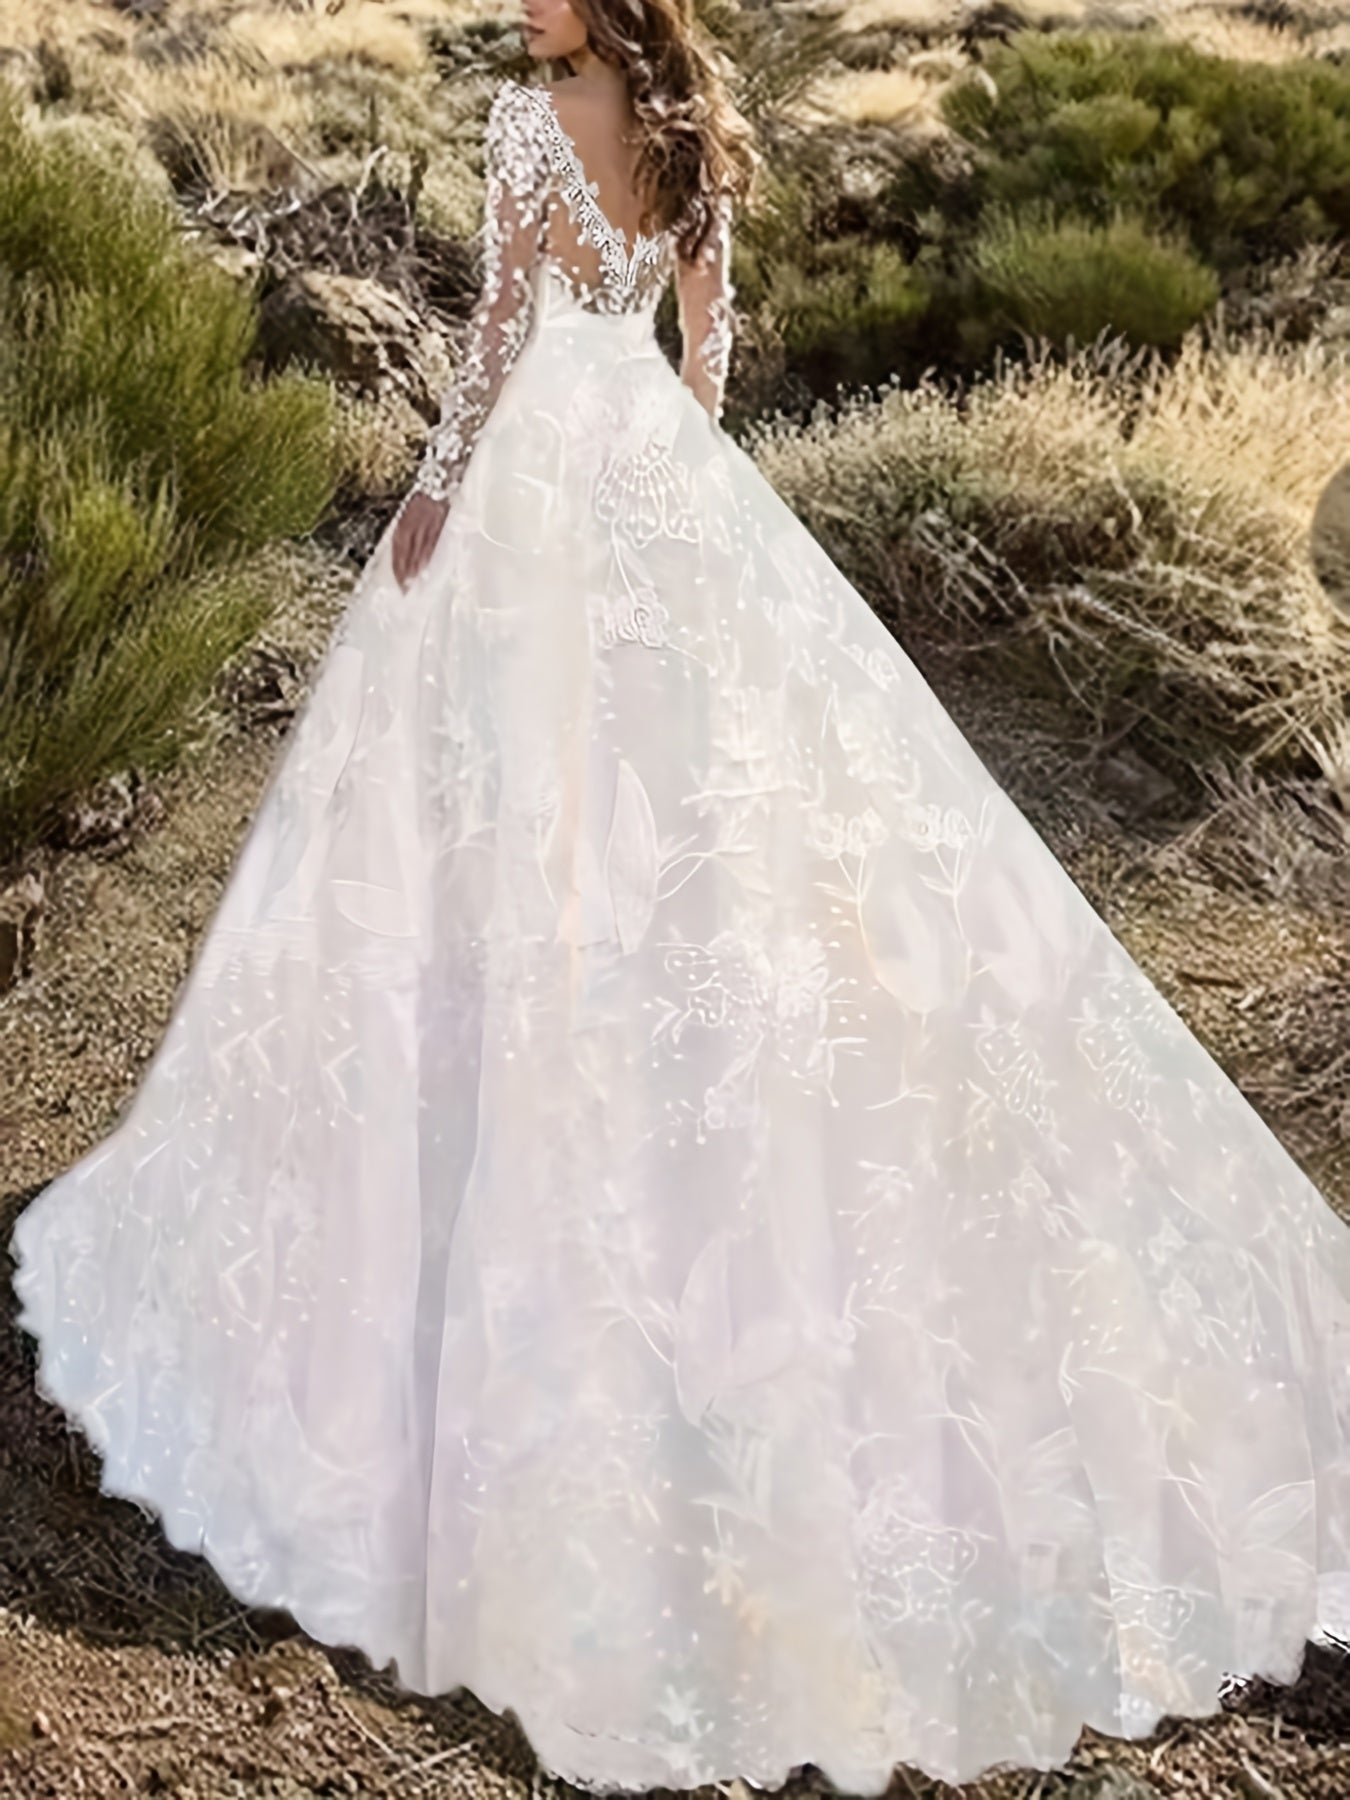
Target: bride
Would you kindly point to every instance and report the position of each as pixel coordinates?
(660, 1201)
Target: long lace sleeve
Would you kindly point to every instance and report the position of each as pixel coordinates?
(516, 169)
(705, 294)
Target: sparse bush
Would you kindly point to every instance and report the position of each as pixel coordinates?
(844, 315)
(139, 467)
(1071, 279)
(1095, 182)
(1248, 160)
(831, 305)
(1131, 529)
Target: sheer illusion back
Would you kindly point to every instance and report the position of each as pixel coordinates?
(581, 246)
(548, 245)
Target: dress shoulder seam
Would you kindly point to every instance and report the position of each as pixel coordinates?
(509, 96)
(510, 88)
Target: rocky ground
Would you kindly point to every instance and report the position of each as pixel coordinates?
(125, 1667)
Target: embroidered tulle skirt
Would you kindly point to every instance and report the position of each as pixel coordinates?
(661, 1202)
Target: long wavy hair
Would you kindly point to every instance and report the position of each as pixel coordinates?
(695, 144)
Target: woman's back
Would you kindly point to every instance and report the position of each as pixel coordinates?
(548, 244)
(589, 234)
(603, 130)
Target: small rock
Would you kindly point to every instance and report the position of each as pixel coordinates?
(1112, 1783)
(108, 813)
(1127, 780)
(22, 896)
(358, 331)
(1329, 540)
(266, 687)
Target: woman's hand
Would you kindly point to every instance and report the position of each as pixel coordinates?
(415, 536)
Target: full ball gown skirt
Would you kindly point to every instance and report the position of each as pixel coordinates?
(660, 1200)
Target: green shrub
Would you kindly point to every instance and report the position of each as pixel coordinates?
(846, 313)
(837, 305)
(1246, 159)
(1076, 280)
(139, 466)
(1105, 183)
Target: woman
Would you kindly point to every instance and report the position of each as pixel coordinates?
(660, 1200)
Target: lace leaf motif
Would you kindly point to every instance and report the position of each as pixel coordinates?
(515, 208)
(530, 157)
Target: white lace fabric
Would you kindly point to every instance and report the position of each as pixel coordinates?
(660, 1200)
(542, 217)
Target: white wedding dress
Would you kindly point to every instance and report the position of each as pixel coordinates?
(660, 1201)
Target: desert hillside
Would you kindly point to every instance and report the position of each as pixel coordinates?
(1043, 328)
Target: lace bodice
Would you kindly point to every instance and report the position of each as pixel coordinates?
(581, 246)
(543, 222)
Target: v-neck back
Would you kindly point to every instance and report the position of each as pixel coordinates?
(591, 188)
(577, 241)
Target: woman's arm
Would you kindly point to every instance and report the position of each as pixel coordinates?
(707, 322)
(516, 170)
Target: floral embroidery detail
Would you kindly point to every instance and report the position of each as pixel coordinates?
(832, 834)
(1006, 1051)
(715, 349)
(764, 995)
(875, 753)
(534, 178)
(909, 1569)
(641, 489)
(933, 827)
(514, 211)
(646, 495)
(626, 279)
(1121, 1060)
(707, 315)
(636, 616)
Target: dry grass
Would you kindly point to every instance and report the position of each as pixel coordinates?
(238, 127)
(908, 92)
(382, 438)
(1221, 30)
(1145, 533)
(872, 97)
(244, 96)
(1241, 39)
(362, 31)
(929, 16)
(1046, 15)
(249, 97)
(1256, 434)
(1221, 27)
(237, 116)
(387, 32)
(902, 15)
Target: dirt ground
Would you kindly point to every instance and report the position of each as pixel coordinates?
(125, 1666)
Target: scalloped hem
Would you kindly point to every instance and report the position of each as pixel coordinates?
(542, 1733)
